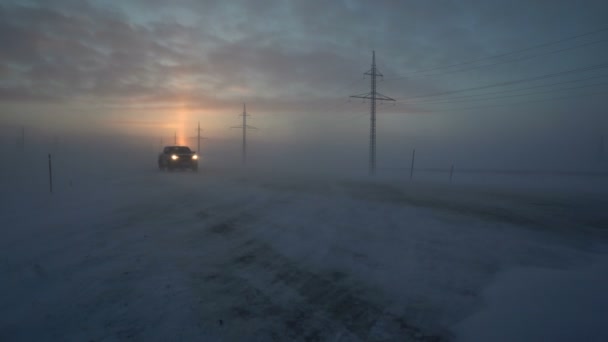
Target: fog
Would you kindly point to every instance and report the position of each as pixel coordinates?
(482, 159)
(485, 218)
(299, 242)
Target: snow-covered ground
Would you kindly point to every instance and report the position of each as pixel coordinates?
(136, 254)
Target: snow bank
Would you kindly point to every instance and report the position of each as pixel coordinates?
(129, 252)
(537, 304)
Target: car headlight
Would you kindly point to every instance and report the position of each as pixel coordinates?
(174, 157)
(195, 157)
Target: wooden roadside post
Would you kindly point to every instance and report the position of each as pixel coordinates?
(50, 175)
(412, 167)
(451, 172)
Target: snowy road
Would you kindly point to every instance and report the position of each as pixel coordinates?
(222, 257)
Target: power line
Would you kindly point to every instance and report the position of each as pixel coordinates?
(506, 83)
(516, 90)
(511, 60)
(520, 103)
(450, 101)
(503, 54)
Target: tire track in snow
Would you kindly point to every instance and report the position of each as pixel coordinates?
(278, 299)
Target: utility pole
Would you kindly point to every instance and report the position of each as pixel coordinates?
(602, 149)
(412, 166)
(245, 127)
(451, 172)
(50, 175)
(374, 96)
(175, 138)
(198, 138)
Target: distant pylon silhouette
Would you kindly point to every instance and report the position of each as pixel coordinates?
(374, 96)
(245, 127)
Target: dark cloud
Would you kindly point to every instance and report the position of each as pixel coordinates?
(157, 50)
(148, 62)
(14, 94)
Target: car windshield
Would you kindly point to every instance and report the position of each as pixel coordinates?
(179, 149)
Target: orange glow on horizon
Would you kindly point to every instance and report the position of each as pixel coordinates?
(176, 125)
(182, 118)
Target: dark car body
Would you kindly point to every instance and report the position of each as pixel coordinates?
(177, 157)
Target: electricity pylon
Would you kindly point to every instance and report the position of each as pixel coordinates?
(373, 96)
(198, 138)
(245, 127)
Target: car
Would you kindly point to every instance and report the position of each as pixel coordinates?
(177, 157)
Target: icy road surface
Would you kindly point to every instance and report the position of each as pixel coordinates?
(222, 257)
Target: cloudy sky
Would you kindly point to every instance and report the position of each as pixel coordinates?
(505, 75)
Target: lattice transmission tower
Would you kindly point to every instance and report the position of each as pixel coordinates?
(373, 96)
(245, 127)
